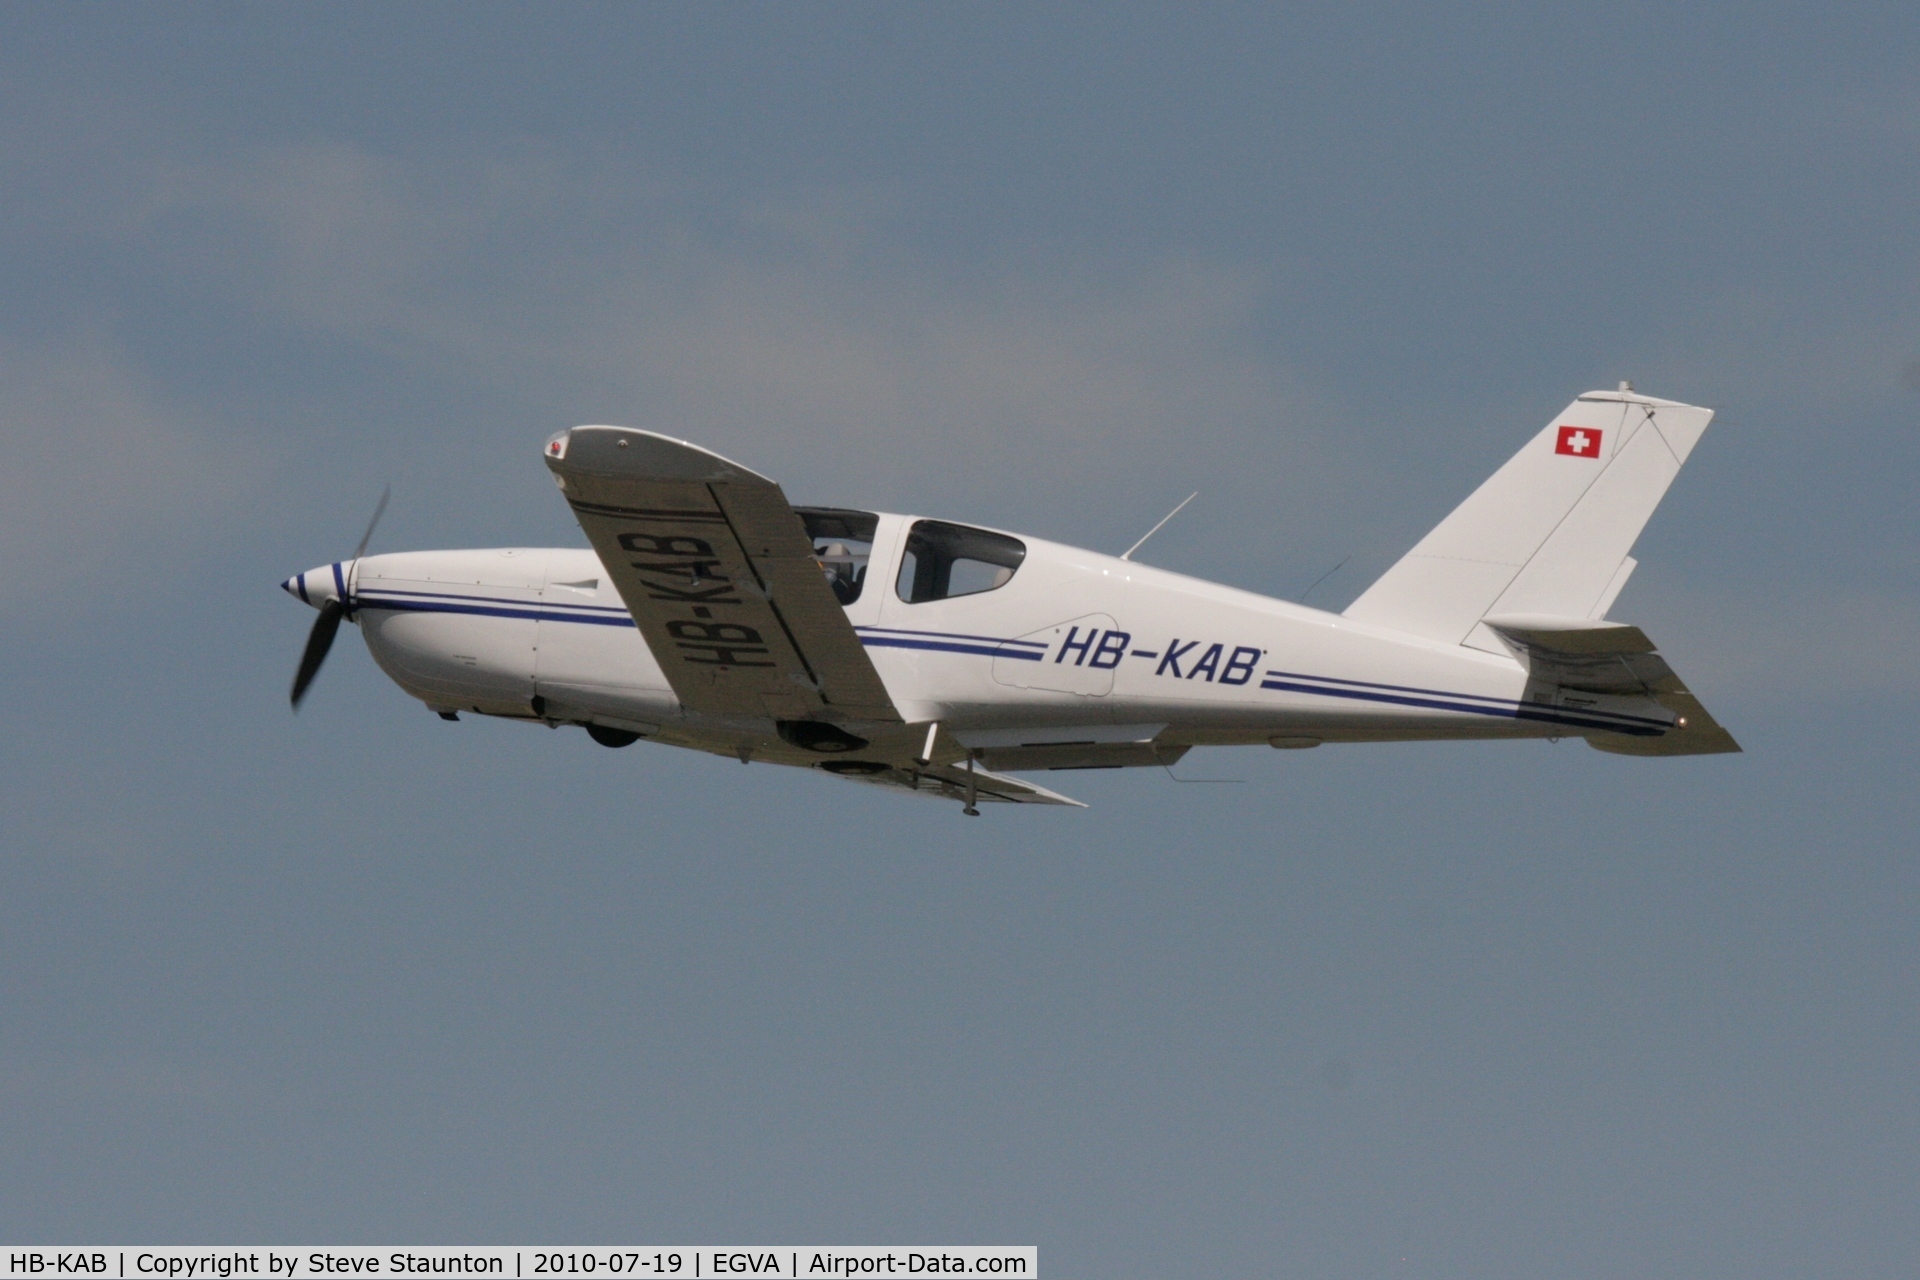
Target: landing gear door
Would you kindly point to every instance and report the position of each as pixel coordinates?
(1076, 656)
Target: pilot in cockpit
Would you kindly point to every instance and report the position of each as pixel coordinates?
(844, 572)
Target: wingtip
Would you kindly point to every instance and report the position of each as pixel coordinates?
(630, 452)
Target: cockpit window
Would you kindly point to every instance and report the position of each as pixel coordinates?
(945, 560)
(842, 542)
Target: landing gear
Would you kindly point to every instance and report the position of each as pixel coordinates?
(818, 735)
(973, 790)
(611, 737)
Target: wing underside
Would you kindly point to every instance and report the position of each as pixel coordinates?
(720, 577)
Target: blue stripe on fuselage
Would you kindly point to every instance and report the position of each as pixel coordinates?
(1273, 676)
(1040, 645)
(952, 642)
(484, 606)
(1640, 726)
(943, 646)
(1034, 651)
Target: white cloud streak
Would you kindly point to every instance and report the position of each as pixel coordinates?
(798, 334)
(801, 334)
(102, 474)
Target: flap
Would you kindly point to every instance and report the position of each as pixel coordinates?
(1059, 735)
(949, 782)
(719, 576)
(1070, 755)
(1071, 746)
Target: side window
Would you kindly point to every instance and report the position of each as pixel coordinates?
(945, 560)
(842, 543)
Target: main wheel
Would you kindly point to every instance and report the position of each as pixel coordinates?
(611, 737)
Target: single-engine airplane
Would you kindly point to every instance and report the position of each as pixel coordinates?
(939, 658)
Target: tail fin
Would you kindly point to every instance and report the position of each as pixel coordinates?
(1548, 533)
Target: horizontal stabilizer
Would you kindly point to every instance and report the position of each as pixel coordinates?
(1568, 657)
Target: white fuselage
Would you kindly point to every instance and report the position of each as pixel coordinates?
(1077, 660)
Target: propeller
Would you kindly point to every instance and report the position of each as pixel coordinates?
(327, 625)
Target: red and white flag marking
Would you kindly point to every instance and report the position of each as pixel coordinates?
(1580, 442)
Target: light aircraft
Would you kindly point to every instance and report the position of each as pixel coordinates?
(939, 658)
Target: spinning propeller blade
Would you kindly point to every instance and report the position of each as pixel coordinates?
(319, 640)
(327, 625)
(379, 509)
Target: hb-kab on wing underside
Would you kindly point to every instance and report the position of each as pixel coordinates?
(720, 577)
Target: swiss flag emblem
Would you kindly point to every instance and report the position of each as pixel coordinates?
(1580, 442)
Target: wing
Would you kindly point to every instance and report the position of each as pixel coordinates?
(949, 782)
(720, 577)
(1612, 660)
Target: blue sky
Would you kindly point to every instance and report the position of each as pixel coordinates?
(1440, 1010)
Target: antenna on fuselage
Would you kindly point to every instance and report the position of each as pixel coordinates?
(1128, 553)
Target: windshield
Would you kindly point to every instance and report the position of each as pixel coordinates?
(842, 543)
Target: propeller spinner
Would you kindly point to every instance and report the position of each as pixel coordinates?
(328, 588)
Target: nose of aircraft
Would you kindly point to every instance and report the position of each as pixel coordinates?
(317, 586)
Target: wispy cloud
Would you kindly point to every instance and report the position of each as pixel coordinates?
(799, 331)
(802, 332)
(103, 474)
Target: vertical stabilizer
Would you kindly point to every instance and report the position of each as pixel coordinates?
(1547, 534)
